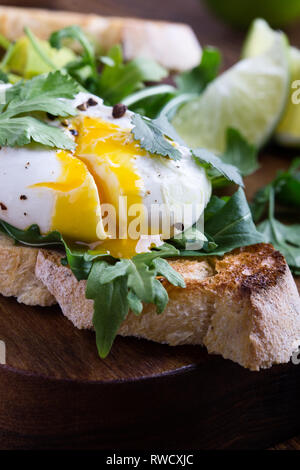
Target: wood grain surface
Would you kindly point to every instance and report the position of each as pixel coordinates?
(178, 397)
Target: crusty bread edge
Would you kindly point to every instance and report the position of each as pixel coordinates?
(252, 319)
(173, 45)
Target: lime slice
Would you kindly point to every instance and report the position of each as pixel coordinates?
(259, 39)
(249, 97)
(288, 129)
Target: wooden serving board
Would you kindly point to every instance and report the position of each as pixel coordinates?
(56, 393)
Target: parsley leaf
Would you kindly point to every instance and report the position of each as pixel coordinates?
(42, 93)
(153, 138)
(211, 161)
(17, 132)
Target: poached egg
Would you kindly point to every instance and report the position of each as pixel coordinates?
(103, 194)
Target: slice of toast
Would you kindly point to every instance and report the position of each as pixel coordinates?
(173, 45)
(244, 306)
(17, 277)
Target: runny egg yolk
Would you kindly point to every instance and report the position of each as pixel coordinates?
(109, 153)
(77, 209)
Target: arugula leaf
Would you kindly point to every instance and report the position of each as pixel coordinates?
(162, 268)
(120, 80)
(153, 138)
(195, 80)
(77, 257)
(32, 236)
(110, 306)
(214, 205)
(232, 226)
(42, 93)
(285, 238)
(115, 288)
(134, 303)
(228, 225)
(211, 161)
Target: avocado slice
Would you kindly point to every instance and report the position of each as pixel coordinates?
(24, 60)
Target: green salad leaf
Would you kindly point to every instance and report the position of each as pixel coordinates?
(285, 238)
(164, 99)
(286, 188)
(107, 76)
(42, 93)
(195, 80)
(128, 284)
(118, 80)
(75, 32)
(240, 153)
(228, 225)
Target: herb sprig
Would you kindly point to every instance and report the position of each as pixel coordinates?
(19, 125)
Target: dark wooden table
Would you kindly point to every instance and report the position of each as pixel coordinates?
(209, 30)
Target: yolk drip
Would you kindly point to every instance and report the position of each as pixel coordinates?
(109, 153)
(77, 208)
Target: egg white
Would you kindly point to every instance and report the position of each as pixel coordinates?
(163, 181)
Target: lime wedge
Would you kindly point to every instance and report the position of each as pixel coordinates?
(249, 97)
(288, 129)
(259, 39)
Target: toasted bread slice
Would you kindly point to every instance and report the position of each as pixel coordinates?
(244, 306)
(173, 45)
(17, 277)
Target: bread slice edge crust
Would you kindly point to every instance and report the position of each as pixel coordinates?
(173, 45)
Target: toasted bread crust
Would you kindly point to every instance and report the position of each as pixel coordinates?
(173, 45)
(244, 306)
(17, 277)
